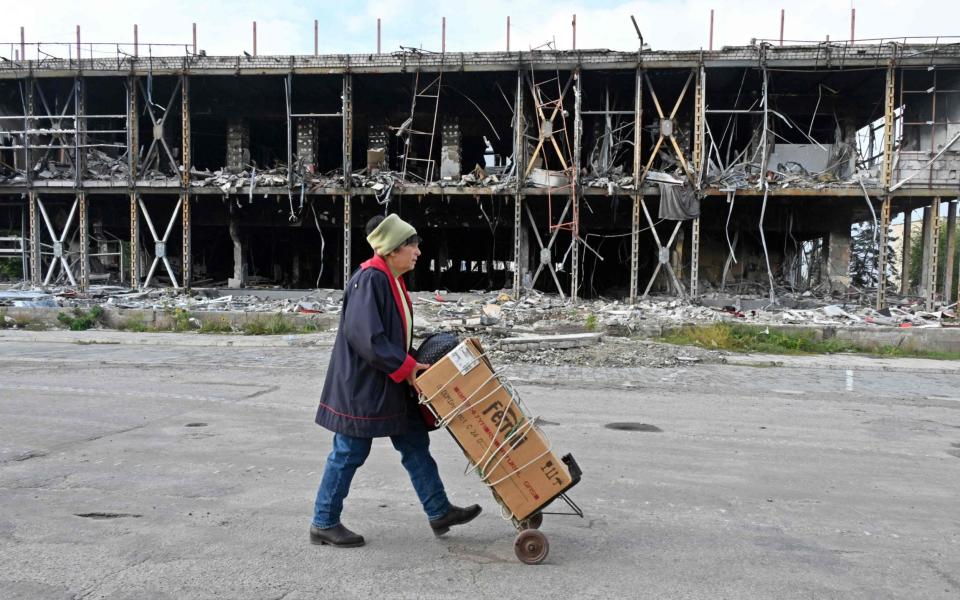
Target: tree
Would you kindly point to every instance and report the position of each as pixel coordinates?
(865, 256)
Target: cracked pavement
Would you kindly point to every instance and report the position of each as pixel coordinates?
(131, 471)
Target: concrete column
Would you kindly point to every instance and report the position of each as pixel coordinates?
(925, 248)
(931, 238)
(951, 249)
(924, 281)
(307, 144)
(450, 141)
(239, 278)
(238, 144)
(838, 254)
(905, 267)
(523, 255)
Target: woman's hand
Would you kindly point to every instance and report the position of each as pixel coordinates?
(412, 377)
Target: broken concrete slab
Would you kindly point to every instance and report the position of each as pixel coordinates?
(542, 342)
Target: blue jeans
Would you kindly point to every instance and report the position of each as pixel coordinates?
(350, 452)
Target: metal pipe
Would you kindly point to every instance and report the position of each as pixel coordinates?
(781, 26)
(78, 44)
(136, 42)
(194, 39)
(711, 30)
(443, 35)
(316, 38)
(378, 44)
(23, 44)
(574, 24)
(254, 38)
(853, 24)
(508, 34)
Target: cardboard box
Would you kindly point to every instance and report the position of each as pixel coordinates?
(494, 433)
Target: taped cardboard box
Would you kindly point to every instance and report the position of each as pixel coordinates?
(509, 452)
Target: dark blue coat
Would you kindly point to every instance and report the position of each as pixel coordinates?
(365, 393)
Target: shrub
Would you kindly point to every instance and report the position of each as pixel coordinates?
(81, 320)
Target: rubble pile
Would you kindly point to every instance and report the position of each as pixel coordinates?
(536, 312)
(613, 352)
(230, 181)
(498, 313)
(541, 329)
(103, 167)
(313, 302)
(786, 175)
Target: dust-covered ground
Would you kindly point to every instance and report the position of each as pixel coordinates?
(185, 466)
(610, 352)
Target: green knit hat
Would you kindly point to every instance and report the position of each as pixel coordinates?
(390, 234)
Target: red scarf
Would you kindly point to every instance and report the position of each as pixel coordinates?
(378, 263)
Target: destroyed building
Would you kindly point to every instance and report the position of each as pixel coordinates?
(582, 173)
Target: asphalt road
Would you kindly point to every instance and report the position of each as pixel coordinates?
(132, 471)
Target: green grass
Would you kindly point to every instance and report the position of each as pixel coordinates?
(181, 320)
(747, 338)
(135, 325)
(81, 320)
(591, 322)
(275, 325)
(219, 325)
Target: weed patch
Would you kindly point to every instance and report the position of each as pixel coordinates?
(181, 320)
(135, 325)
(275, 325)
(746, 338)
(81, 320)
(591, 322)
(20, 322)
(219, 325)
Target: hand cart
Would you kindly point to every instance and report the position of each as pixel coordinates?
(502, 441)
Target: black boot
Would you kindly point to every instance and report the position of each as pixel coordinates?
(338, 535)
(454, 516)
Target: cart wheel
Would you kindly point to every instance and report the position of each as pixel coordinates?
(534, 521)
(531, 546)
